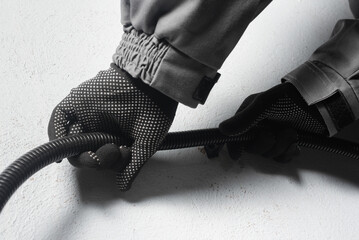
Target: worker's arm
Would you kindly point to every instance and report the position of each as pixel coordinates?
(320, 96)
(178, 46)
(329, 80)
(170, 52)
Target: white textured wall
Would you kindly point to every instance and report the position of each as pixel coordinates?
(48, 47)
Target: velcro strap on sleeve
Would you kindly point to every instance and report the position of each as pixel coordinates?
(316, 82)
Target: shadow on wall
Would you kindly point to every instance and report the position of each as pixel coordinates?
(354, 7)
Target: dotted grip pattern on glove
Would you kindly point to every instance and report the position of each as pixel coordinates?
(281, 104)
(296, 114)
(273, 117)
(116, 103)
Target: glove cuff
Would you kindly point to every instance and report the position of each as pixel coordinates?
(166, 104)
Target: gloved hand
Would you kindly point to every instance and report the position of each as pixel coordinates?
(115, 103)
(279, 112)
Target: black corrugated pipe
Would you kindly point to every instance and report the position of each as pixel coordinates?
(25, 166)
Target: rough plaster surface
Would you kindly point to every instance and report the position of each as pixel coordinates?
(48, 47)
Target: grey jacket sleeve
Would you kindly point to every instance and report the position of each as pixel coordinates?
(330, 78)
(177, 46)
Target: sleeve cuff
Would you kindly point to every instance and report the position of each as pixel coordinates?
(164, 68)
(184, 79)
(329, 91)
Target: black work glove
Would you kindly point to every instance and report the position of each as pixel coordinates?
(274, 116)
(115, 103)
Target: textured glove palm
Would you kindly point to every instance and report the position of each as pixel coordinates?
(279, 111)
(115, 103)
